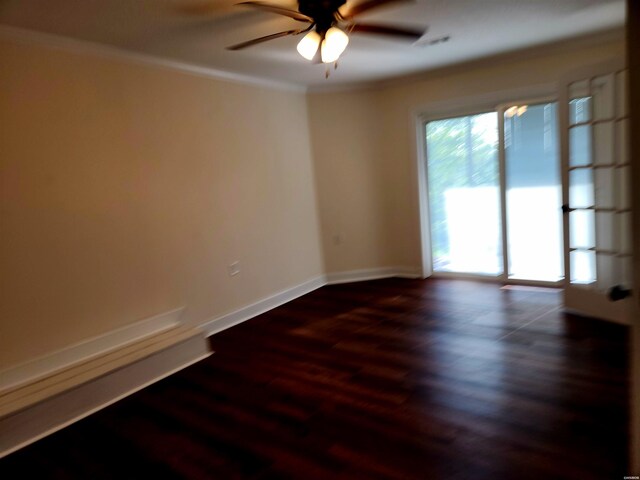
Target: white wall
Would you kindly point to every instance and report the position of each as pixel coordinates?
(126, 190)
(351, 180)
(364, 148)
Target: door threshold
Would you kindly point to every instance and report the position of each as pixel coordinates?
(531, 288)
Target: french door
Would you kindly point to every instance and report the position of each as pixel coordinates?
(539, 192)
(494, 182)
(597, 192)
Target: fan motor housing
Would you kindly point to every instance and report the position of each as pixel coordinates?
(323, 12)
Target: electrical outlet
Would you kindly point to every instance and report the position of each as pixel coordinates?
(234, 268)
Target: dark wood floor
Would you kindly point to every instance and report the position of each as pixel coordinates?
(387, 379)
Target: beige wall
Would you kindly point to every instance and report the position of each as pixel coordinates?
(126, 190)
(350, 173)
(364, 150)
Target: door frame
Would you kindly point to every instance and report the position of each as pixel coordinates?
(531, 96)
(583, 299)
(419, 119)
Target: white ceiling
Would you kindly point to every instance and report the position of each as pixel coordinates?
(478, 28)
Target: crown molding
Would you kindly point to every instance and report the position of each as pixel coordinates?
(69, 44)
(85, 47)
(557, 46)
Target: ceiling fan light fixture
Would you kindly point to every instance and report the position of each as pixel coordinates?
(334, 43)
(327, 26)
(308, 46)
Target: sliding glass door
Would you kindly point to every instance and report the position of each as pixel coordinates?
(533, 192)
(495, 193)
(464, 194)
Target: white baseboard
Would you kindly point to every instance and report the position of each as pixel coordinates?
(27, 425)
(46, 365)
(372, 274)
(65, 406)
(230, 319)
(41, 367)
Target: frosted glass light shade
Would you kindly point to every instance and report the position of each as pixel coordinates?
(308, 46)
(335, 41)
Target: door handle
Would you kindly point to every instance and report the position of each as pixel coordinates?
(618, 292)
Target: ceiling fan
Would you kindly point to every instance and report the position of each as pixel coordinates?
(328, 26)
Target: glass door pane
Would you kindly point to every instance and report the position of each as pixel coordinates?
(598, 166)
(533, 192)
(464, 198)
(594, 132)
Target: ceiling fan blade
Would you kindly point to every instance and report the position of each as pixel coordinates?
(266, 38)
(279, 10)
(350, 12)
(409, 34)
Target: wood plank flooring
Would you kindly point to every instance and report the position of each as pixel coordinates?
(388, 379)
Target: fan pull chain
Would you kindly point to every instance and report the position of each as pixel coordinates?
(327, 71)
